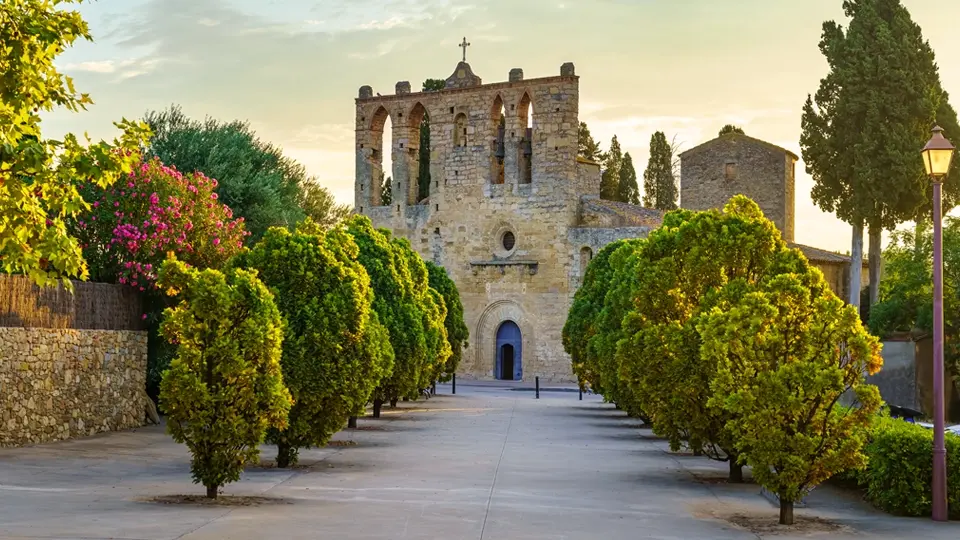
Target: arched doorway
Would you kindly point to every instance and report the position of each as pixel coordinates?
(509, 352)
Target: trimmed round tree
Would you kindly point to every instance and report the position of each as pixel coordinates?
(582, 319)
(224, 388)
(457, 332)
(438, 346)
(785, 354)
(325, 298)
(396, 306)
(602, 346)
(681, 267)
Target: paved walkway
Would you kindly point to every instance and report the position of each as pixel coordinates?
(487, 463)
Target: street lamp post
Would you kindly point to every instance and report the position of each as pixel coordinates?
(937, 155)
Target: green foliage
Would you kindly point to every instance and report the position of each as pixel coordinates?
(899, 473)
(456, 328)
(659, 182)
(397, 303)
(318, 204)
(609, 331)
(786, 350)
(628, 191)
(38, 176)
(610, 179)
(583, 317)
(325, 298)
(906, 292)
(587, 148)
(730, 128)
(386, 190)
(256, 180)
(682, 268)
(864, 128)
(224, 388)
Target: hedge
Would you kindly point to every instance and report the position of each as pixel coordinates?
(900, 470)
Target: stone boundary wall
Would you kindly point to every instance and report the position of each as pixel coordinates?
(71, 364)
(62, 383)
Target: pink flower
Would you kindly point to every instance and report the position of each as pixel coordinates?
(216, 241)
(144, 316)
(116, 203)
(213, 195)
(96, 204)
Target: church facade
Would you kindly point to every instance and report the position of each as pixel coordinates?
(511, 212)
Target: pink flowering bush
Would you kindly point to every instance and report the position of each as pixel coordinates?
(151, 213)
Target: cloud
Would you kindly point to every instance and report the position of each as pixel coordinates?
(123, 69)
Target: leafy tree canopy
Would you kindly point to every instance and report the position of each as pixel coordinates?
(256, 180)
(628, 190)
(39, 176)
(587, 147)
(224, 389)
(659, 182)
(396, 304)
(682, 265)
(784, 355)
(610, 179)
(325, 298)
(457, 332)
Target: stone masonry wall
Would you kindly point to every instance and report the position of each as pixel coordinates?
(762, 172)
(461, 225)
(61, 383)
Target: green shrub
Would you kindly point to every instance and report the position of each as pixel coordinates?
(457, 332)
(900, 470)
(325, 298)
(224, 388)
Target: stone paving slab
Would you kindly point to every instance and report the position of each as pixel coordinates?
(488, 463)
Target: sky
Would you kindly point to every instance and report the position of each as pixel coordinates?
(292, 68)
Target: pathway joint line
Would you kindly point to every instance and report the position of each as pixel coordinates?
(496, 472)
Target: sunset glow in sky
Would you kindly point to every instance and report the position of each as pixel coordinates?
(293, 67)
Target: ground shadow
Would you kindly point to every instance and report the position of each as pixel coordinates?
(222, 500)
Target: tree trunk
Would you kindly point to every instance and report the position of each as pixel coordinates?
(736, 472)
(352, 422)
(697, 451)
(406, 400)
(284, 455)
(786, 512)
(856, 265)
(875, 237)
(393, 403)
(212, 491)
(377, 405)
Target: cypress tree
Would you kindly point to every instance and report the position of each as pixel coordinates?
(864, 128)
(629, 191)
(659, 183)
(587, 147)
(610, 180)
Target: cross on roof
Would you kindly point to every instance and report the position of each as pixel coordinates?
(464, 46)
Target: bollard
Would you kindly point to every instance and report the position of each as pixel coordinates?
(581, 394)
(537, 379)
(433, 389)
(352, 422)
(454, 384)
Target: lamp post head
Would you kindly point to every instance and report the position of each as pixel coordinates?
(937, 154)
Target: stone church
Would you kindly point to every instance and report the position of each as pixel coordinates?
(515, 216)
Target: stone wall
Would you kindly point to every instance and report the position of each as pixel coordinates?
(71, 364)
(62, 383)
(733, 164)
